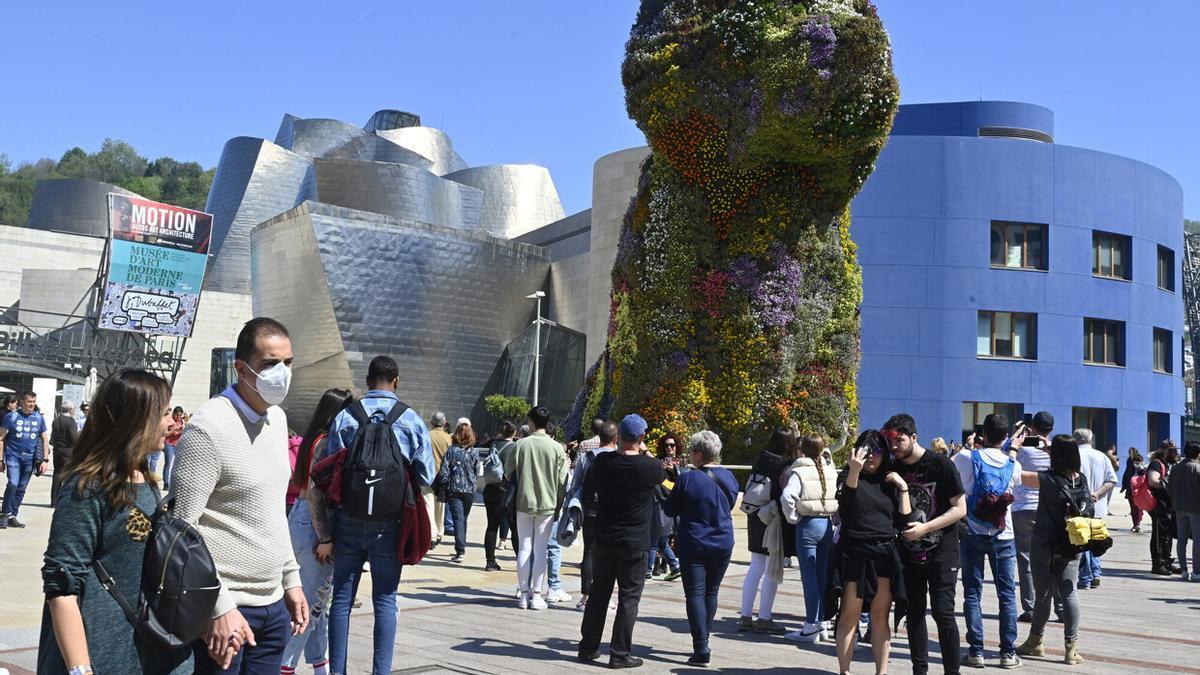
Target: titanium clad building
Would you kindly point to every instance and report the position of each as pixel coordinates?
(1005, 273)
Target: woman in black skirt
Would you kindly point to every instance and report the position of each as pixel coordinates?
(873, 504)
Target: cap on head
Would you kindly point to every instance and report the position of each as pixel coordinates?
(462, 420)
(633, 427)
(1043, 421)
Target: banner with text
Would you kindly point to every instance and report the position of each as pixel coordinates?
(157, 260)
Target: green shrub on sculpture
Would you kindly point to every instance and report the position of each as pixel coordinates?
(736, 286)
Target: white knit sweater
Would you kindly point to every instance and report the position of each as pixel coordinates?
(230, 481)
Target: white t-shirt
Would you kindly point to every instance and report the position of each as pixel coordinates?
(1096, 466)
(993, 457)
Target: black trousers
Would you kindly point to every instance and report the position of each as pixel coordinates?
(493, 502)
(59, 460)
(587, 566)
(1162, 533)
(627, 569)
(935, 582)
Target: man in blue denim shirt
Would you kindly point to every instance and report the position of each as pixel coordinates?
(356, 542)
(25, 439)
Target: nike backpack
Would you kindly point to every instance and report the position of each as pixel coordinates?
(375, 474)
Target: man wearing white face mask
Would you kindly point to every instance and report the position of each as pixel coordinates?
(230, 482)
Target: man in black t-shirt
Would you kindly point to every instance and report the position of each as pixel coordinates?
(930, 545)
(624, 482)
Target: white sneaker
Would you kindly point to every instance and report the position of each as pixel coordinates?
(809, 632)
(522, 601)
(518, 593)
(787, 561)
(582, 604)
(536, 602)
(827, 631)
(558, 595)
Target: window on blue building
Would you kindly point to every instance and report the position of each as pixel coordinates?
(1018, 245)
(1102, 422)
(1010, 335)
(1166, 269)
(1104, 342)
(1110, 256)
(1162, 350)
(973, 413)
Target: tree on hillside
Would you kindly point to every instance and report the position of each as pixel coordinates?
(165, 179)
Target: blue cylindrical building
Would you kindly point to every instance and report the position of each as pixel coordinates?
(1005, 273)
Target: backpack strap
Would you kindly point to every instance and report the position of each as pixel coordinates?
(359, 412)
(110, 585)
(394, 414)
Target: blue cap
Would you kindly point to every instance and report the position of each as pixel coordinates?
(632, 427)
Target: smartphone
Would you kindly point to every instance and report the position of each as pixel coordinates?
(978, 431)
(1028, 419)
(1032, 442)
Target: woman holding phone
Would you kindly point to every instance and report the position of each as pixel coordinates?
(873, 505)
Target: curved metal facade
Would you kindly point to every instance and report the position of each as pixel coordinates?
(433, 144)
(387, 168)
(922, 224)
(72, 205)
(517, 198)
(397, 190)
(352, 284)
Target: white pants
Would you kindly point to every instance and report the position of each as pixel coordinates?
(757, 571)
(437, 514)
(533, 535)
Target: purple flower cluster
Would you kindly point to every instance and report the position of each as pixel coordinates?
(774, 294)
(795, 101)
(821, 43)
(678, 359)
(628, 246)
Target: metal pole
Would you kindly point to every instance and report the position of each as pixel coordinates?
(537, 353)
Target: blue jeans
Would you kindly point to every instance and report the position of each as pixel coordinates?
(459, 507)
(1089, 568)
(20, 469)
(169, 451)
(354, 543)
(663, 546)
(554, 559)
(272, 627)
(814, 539)
(701, 581)
(317, 580)
(1002, 554)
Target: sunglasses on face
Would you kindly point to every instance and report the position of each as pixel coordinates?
(670, 445)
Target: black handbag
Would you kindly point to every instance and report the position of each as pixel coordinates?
(179, 583)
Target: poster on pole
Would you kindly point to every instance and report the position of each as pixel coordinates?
(157, 259)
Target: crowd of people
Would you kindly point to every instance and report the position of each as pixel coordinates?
(291, 522)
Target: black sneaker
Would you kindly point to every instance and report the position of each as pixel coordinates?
(588, 658)
(13, 522)
(1161, 571)
(492, 566)
(1026, 617)
(456, 558)
(700, 659)
(626, 662)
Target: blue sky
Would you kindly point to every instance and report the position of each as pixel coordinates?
(538, 81)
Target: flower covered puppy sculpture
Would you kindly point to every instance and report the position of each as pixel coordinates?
(736, 288)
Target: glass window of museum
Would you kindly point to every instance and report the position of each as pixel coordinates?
(1018, 245)
(1008, 335)
(1110, 256)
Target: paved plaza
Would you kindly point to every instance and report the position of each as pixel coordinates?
(458, 619)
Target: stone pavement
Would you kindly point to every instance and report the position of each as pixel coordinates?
(459, 619)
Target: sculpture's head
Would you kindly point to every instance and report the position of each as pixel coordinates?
(752, 83)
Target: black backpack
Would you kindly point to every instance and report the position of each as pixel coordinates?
(179, 583)
(375, 472)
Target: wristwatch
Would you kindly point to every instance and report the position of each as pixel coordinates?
(80, 670)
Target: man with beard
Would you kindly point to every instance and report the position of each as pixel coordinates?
(930, 544)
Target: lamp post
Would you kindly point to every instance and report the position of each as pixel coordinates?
(537, 343)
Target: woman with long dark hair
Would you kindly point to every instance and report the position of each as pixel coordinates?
(1162, 524)
(1052, 559)
(103, 515)
(660, 557)
(312, 537)
(873, 506)
(782, 449)
(457, 478)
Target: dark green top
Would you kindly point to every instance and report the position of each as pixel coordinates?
(84, 529)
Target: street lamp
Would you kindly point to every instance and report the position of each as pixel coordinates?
(537, 343)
